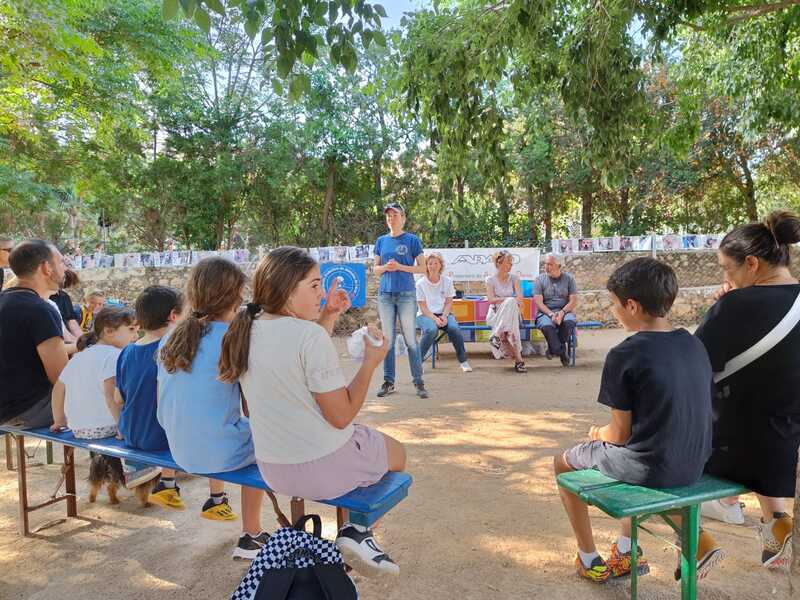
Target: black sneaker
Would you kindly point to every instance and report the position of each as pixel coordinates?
(386, 389)
(421, 391)
(361, 551)
(248, 546)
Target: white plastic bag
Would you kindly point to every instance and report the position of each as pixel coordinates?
(356, 341)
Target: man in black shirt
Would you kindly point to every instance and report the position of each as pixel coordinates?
(32, 352)
(6, 245)
(657, 383)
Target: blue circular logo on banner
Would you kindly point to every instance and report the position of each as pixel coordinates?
(352, 279)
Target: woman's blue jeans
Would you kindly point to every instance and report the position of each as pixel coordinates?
(430, 330)
(402, 305)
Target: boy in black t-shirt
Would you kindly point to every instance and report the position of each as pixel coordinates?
(657, 384)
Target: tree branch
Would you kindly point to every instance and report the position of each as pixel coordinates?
(753, 11)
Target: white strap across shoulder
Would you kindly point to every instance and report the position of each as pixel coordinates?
(764, 345)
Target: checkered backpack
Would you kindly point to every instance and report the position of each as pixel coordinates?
(297, 565)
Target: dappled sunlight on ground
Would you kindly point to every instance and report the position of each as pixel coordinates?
(483, 519)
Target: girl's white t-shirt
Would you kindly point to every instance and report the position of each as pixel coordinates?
(435, 294)
(289, 360)
(83, 377)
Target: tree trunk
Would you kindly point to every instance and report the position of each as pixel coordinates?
(330, 193)
(533, 226)
(749, 190)
(377, 173)
(219, 234)
(624, 209)
(587, 197)
(794, 571)
(502, 200)
(460, 189)
(548, 225)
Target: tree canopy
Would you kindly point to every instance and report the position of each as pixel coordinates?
(213, 122)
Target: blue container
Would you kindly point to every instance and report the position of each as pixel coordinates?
(526, 285)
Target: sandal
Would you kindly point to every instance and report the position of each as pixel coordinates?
(520, 367)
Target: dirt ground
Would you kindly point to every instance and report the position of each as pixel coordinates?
(483, 518)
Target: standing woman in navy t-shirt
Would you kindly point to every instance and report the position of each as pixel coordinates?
(398, 255)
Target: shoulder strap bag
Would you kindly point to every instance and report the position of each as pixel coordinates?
(764, 345)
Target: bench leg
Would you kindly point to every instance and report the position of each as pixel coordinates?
(573, 345)
(434, 352)
(69, 481)
(49, 452)
(9, 453)
(689, 536)
(298, 508)
(22, 483)
(634, 557)
(342, 517)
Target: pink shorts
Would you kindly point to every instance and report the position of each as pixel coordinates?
(362, 461)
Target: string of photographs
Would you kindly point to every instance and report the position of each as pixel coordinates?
(360, 253)
(176, 258)
(185, 258)
(638, 243)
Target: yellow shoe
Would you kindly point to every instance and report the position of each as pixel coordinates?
(597, 573)
(776, 541)
(166, 497)
(218, 512)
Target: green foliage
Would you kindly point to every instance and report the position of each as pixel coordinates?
(299, 28)
(293, 121)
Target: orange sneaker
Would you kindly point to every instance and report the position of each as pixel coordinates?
(776, 541)
(709, 555)
(620, 564)
(597, 573)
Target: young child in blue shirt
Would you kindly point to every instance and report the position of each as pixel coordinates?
(157, 309)
(657, 383)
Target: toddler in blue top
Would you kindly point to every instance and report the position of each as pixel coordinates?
(201, 415)
(157, 309)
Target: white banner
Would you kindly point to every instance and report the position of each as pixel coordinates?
(475, 264)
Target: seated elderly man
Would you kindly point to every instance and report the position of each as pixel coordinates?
(556, 296)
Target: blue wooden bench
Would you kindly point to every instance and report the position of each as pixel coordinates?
(572, 343)
(620, 500)
(363, 506)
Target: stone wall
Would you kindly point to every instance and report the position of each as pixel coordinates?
(698, 276)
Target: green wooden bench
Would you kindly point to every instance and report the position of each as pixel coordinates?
(620, 500)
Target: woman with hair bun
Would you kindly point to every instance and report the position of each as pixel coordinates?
(756, 430)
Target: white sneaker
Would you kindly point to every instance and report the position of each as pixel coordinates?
(719, 511)
(465, 367)
(361, 551)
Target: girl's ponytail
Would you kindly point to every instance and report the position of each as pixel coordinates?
(215, 285)
(181, 347)
(233, 360)
(87, 339)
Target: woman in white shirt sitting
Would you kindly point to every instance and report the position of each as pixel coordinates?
(435, 293)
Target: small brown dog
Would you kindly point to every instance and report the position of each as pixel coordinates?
(108, 470)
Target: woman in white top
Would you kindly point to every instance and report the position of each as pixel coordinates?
(505, 298)
(435, 293)
(301, 407)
